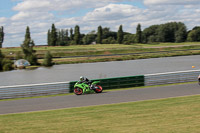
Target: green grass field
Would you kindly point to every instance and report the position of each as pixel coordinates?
(173, 115)
(108, 49)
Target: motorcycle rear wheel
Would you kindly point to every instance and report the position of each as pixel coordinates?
(78, 91)
(99, 89)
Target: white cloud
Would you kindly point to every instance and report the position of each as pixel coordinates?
(30, 5)
(68, 22)
(3, 20)
(171, 2)
(40, 14)
(29, 16)
(112, 12)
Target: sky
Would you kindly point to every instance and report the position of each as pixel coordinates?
(39, 15)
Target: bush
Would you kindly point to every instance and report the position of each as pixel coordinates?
(7, 64)
(47, 59)
(32, 59)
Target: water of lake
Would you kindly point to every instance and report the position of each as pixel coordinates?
(71, 72)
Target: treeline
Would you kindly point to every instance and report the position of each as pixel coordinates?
(65, 37)
(168, 32)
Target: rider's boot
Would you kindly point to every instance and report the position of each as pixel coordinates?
(92, 87)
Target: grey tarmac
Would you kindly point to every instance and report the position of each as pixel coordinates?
(110, 97)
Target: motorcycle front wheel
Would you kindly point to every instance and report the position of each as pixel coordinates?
(99, 89)
(78, 91)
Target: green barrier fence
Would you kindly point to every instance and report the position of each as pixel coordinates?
(118, 82)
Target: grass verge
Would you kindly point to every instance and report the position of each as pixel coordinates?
(83, 53)
(172, 115)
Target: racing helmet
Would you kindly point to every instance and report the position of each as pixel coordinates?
(82, 78)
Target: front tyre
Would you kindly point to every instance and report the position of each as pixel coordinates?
(98, 89)
(78, 91)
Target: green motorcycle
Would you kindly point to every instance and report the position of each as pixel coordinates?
(82, 88)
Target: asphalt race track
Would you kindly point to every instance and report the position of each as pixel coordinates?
(70, 101)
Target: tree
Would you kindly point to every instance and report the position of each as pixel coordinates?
(71, 34)
(109, 40)
(120, 35)
(194, 35)
(47, 59)
(89, 38)
(5, 64)
(49, 38)
(61, 41)
(181, 33)
(168, 32)
(27, 48)
(53, 36)
(150, 34)
(77, 36)
(138, 34)
(129, 38)
(1, 36)
(109, 37)
(99, 35)
(1, 59)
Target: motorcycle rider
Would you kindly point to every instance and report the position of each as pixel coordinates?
(87, 81)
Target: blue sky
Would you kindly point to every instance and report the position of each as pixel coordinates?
(16, 15)
(6, 8)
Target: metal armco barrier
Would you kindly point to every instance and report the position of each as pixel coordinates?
(171, 77)
(19, 91)
(118, 82)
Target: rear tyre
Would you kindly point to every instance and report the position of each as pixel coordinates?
(78, 91)
(99, 89)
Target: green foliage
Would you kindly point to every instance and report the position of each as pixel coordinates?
(5, 64)
(1, 59)
(1, 36)
(18, 55)
(138, 36)
(99, 35)
(151, 34)
(109, 34)
(52, 40)
(62, 38)
(49, 37)
(47, 59)
(181, 34)
(56, 37)
(77, 36)
(194, 35)
(71, 34)
(89, 38)
(27, 48)
(109, 40)
(129, 39)
(169, 32)
(120, 35)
